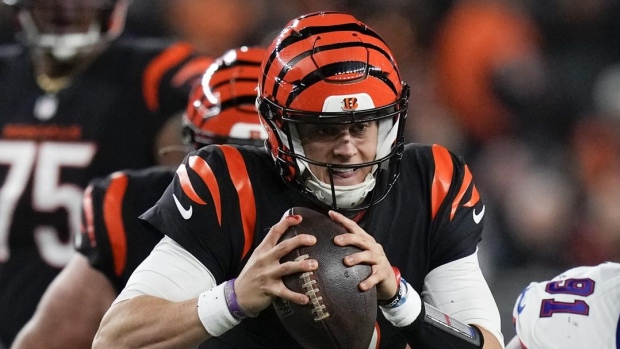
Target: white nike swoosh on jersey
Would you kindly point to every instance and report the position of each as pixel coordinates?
(478, 216)
(186, 214)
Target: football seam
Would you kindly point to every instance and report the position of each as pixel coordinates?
(313, 292)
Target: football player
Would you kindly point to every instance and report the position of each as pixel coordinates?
(75, 103)
(220, 110)
(334, 106)
(578, 309)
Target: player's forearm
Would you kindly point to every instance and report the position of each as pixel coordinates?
(425, 326)
(56, 335)
(70, 311)
(490, 341)
(152, 322)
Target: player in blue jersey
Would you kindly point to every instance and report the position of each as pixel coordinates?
(331, 98)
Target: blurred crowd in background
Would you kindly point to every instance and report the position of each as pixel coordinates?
(528, 91)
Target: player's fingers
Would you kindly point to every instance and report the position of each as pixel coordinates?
(363, 241)
(300, 265)
(381, 270)
(278, 229)
(285, 247)
(278, 289)
(374, 279)
(347, 223)
(364, 257)
(285, 293)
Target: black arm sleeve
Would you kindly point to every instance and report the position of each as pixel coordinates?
(429, 331)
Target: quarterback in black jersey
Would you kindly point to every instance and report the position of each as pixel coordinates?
(74, 104)
(334, 107)
(113, 242)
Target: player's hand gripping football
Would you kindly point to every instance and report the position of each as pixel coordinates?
(260, 281)
(382, 273)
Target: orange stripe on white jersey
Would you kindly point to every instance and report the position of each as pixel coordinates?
(241, 180)
(442, 178)
(203, 170)
(156, 70)
(113, 219)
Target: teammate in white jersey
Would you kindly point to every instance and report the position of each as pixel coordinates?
(578, 309)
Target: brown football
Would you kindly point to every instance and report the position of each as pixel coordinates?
(339, 314)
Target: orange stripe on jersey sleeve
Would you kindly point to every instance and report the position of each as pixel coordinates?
(113, 219)
(241, 180)
(87, 209)
(156, 70)
(186, 185)
(202, 168)
(442, 178)
(459, 196)
(193, 69)
(475, 196)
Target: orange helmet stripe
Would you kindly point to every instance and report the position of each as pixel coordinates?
(323, 39)
(192, 70)
(226, 95)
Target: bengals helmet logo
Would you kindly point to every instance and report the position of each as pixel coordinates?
(349, 103)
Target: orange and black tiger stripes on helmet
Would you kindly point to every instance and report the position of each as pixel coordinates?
(330, 68)
(221, 108)
(330, 48)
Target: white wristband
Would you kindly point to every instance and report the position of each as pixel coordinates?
(213, 311)
(407, 311)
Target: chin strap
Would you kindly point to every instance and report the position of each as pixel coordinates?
(346, 196)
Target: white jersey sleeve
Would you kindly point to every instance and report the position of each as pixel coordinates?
(169, 272)
(577, 309)
(459, 289)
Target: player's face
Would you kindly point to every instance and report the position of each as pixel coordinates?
(340, 144)
(64, 16)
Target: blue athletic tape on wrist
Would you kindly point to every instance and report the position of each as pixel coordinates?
(401, 296)
(406, 310)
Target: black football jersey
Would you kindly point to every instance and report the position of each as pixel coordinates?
(52, 145)
(223, 200)
(113, 239)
